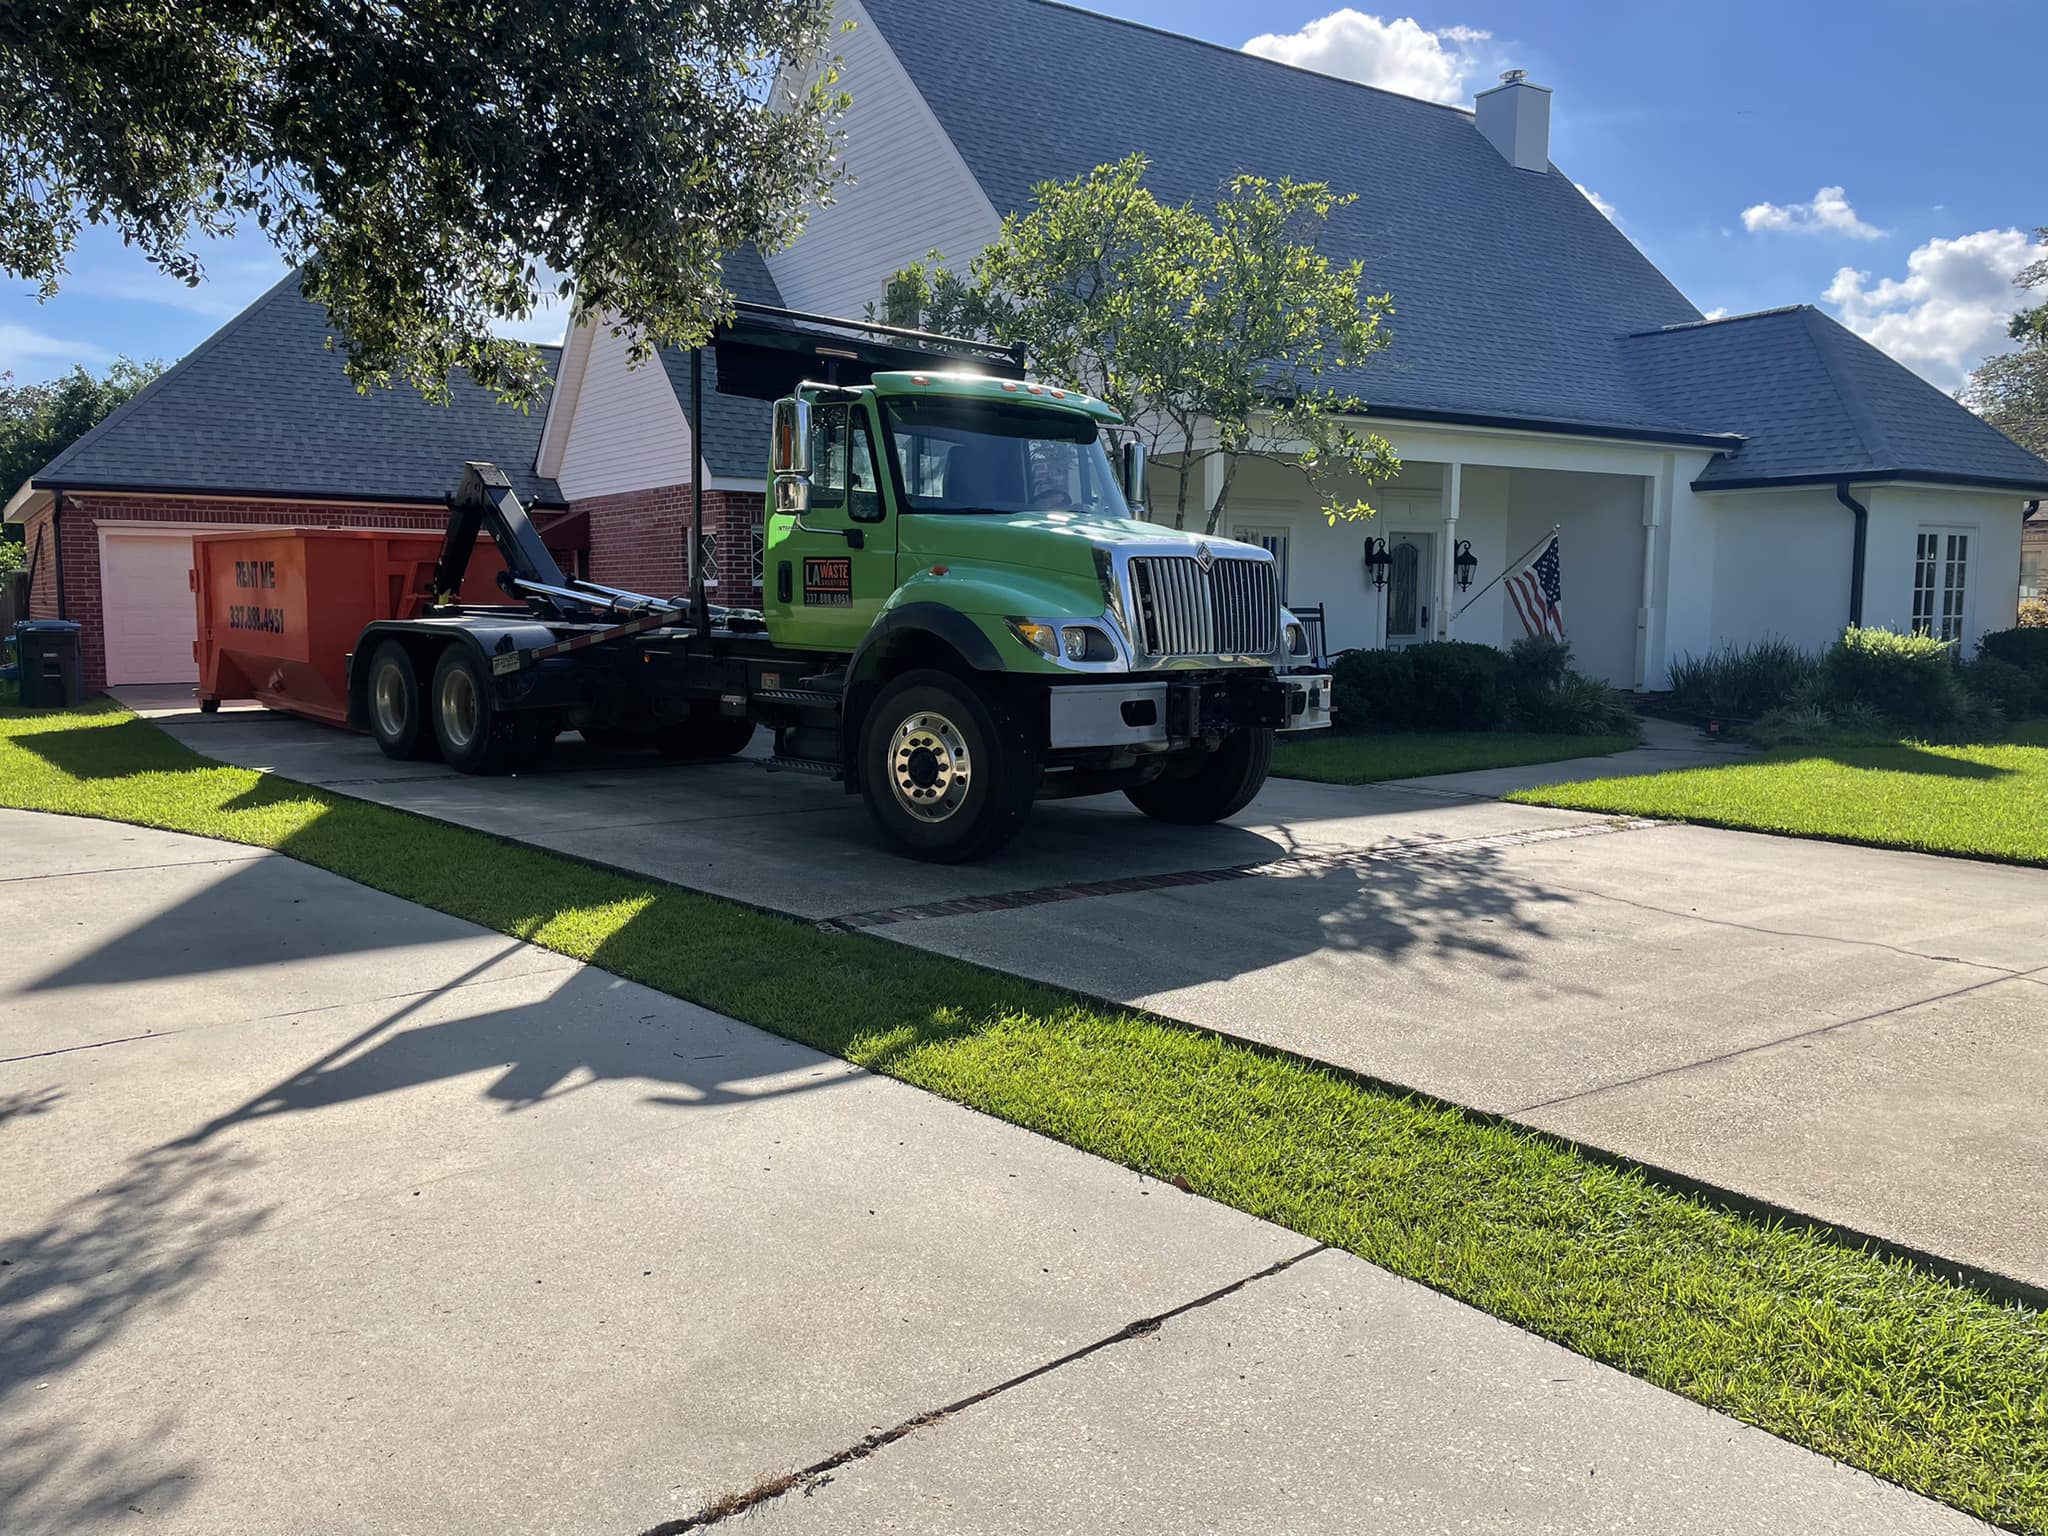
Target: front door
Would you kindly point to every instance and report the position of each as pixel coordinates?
(823, 590)
(1411, 588)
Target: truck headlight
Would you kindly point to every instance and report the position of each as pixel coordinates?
(1085, 642)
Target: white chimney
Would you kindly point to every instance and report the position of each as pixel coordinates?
(1515, 117)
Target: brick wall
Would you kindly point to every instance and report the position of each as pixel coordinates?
(80, 531)
(637, 539)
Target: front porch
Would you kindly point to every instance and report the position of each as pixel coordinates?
(1449, 494)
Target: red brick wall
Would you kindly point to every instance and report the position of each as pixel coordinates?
(80, 528)
(637, 539)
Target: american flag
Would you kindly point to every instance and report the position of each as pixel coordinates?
(1537, 591)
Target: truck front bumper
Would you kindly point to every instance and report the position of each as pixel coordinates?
(1159, 716)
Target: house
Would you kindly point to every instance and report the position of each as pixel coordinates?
(1712, 481)
(256, 427)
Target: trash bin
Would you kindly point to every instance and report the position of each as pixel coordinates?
(47, 653)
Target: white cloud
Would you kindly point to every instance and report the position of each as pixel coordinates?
(1399, 55)
(1829, 213)
(1948, 311)
(24, 350)
(1606, 208)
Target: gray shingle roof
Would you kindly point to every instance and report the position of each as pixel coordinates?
(262, 408)
(735, 430)
(1512, 292)
(1815, 402)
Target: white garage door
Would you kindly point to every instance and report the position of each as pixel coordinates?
(147, 602)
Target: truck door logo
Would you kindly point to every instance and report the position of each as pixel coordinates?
(828, 581)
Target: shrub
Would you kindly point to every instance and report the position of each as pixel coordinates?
(1909, 679)
(1373, 690)
(1457, 686)
(1742, 682)
(2012, 689)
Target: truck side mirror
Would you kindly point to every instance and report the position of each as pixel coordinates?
(1134, 473)
(790, 452)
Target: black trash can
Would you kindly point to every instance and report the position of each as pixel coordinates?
(47, 651)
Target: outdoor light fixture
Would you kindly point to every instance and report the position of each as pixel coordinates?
(1466, 563)
(1376, 562)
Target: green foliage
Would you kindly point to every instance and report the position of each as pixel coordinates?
(1909, 679)
(1373, 690)
(1457, 686)
(1212, 330)
(1742, 682)
(435, 167)
(39, 421)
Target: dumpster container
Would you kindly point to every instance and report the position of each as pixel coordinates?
(280, 610)
(46, 652)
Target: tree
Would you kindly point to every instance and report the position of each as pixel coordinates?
(433, 167)
(1215, 333)
(2010, 390)
(39, 421)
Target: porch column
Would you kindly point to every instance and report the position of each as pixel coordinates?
(1446, 564)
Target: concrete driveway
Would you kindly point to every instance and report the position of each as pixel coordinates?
(1852, 1034)
(325, 1213)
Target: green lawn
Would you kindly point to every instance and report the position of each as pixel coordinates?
(1366, 759)
(1987, 802)
(1872, 1361)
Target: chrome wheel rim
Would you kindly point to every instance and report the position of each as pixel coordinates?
(459, 707)
(929, 766)
(388, 699)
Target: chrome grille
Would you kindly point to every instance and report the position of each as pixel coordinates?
(1231, 609)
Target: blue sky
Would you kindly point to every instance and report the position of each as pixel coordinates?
(1713, 133)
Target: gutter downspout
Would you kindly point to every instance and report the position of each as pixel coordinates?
(1861, 550)
(57, 546)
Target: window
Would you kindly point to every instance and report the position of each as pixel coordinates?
(1941, 582)
(1273, 540)
(839, 440)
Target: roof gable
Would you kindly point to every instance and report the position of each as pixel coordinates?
(1047, 92)
(1816, 402)
(263, 408)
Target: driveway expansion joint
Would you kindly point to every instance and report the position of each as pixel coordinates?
(818, 1473)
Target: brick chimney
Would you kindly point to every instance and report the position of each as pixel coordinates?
(1515, 117)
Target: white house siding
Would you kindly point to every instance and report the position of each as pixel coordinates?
(909, 194)
(1899, 512)
(629, 431)
(1780, 569)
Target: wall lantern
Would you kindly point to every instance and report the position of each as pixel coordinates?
(1376, 562)
(1466, 563)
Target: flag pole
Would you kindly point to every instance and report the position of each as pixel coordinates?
(1512, 565)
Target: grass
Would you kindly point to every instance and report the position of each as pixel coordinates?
(1984, 802)
(1870, 1360)
(1367, 759)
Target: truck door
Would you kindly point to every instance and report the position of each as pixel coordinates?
(831, 569)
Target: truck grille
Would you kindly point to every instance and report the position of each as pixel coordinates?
(1231, 609)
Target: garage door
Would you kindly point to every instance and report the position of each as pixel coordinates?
(147, 601)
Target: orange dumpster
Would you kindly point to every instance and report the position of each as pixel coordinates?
(280, 610)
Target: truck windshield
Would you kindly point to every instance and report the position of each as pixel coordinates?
(955, 455)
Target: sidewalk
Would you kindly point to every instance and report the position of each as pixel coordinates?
(331, 1213)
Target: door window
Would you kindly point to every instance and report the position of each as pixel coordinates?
(841, 445)
(1941, 582)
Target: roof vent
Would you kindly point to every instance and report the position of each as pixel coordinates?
(1515, 117)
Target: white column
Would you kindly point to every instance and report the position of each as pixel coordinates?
(1446, 560)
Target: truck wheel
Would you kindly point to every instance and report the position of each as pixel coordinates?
(397, 717)
(475, 735)
(706, 734)
(1200, 787)
(947, 774)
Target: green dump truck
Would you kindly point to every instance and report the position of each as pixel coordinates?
(960, 613)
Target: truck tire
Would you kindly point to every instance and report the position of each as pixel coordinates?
(946, 771)
(1200, 787)
(398, 715)
(705, 735)
(475, 735)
